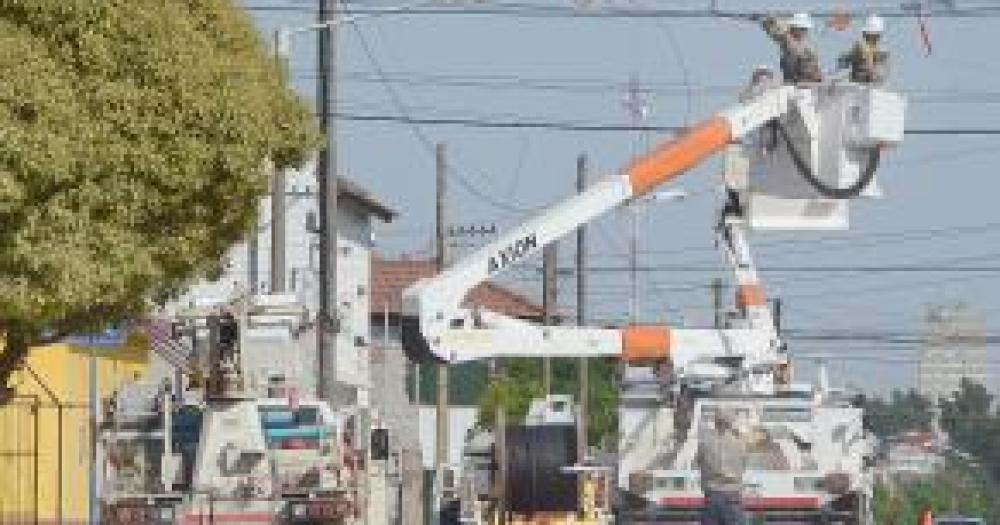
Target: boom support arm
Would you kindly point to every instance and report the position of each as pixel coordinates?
(435, 325)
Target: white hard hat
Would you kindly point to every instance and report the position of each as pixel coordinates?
(874, 25)
(800, 21)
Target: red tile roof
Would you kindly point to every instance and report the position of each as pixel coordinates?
(390, 277)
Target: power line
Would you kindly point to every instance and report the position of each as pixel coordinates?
(522, 10)
(419, 133)
(901, 268)
(580, 126)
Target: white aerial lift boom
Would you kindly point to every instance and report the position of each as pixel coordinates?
(816, 146)
(795, 156)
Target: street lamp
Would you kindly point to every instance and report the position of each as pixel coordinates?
(283, 35)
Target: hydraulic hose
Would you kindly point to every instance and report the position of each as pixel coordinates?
(866, 178)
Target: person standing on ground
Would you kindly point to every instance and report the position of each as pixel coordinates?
(799, 62)
(868, 62)
(722, 460)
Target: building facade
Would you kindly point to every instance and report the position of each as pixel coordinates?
(955, 349)
(248, 268)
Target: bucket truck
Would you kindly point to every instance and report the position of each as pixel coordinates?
(795, 156)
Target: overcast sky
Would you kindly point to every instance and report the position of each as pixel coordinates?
(940, 206)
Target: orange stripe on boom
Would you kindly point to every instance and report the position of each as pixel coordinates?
(644, 343)
(678, 155)
(750, 295)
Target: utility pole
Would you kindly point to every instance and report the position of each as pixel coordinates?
(633, 262)
(278, 230)
(550, 260)
(638, 106)
(581, 319)
(441, 439)
(328, 323)
(717, 302)
(253, 273)
(500, 431)
(776, 306)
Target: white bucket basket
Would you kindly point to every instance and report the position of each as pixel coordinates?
(833, 135)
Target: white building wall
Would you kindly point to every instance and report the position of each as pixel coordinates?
(461, 420)
(354, 244)
(955, 350)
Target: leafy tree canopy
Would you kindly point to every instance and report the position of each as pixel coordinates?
(967, 419)
(522, 383)
(134, 136)
(904, 411)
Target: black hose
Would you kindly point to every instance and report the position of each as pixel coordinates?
(866, 178)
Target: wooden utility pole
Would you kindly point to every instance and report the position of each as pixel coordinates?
(717, 302)
(327, 327)
(441, 438)
(581, 319)
(550, 261)
(278, 230)
(500, 440)
(253, 274)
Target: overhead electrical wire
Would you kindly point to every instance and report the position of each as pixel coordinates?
(526, 10)
(422, 137)
(486, 123)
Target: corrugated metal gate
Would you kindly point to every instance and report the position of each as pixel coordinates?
(19, 460)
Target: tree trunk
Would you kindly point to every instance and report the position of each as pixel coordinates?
(15, 348)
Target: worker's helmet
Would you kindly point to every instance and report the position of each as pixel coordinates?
(800, 21)
(874, 25)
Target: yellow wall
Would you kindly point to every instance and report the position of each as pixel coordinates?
(63, 370)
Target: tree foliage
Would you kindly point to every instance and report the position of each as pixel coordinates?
(134, 136)
(903, 411)
(958, 490)
(522, 382)
(971, 481)
(972, 427)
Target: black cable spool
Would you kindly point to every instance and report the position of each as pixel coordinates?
(536, 457)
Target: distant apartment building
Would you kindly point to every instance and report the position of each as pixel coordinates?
(955, 349)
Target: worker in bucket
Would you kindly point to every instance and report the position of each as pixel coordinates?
(867, 60)
(722, 461)
(799, 62)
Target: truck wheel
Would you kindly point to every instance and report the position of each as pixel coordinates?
(855, 507)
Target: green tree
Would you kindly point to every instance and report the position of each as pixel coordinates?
(903, 411)
(967, 418)
(522, 382)
(134, 138)
(958, 489)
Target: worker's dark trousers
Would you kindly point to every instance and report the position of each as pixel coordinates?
(723, 508)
